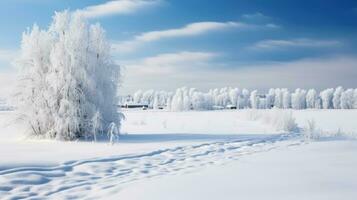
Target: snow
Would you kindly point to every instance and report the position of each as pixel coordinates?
(177, 155)
(322, 170)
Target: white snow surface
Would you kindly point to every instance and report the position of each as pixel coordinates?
(187, 155)
(322, 170)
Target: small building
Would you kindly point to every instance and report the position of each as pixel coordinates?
(134, 105)
(230, 106)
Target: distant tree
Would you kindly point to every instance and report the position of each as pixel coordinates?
(177, 101)
(270, 98)
(326, 98)
(355, 98)
(148, 98)
(286, 99)
(318, 103)
(311, 98)
(156, 101)
(254, 99)
(298, 99)
(233, 96)
(245, 98)
(336, 100)
(346, 100)
(138, 95)
(68, 81)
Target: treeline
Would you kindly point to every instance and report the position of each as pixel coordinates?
(234, 98)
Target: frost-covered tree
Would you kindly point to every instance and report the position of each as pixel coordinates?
(254, 99)
(138, 96)
(298, 99)
(68, 82)
(186, 102)
(233, 96)
(168, 103)
(311, 98)
(148, 98)
(156, 102)
(346, 100)
(245, 98)
(199, 101)
(278, 99)
(336, 100)
(177, 101)
(318, 103)
(286, 99)
(355, 98)
(270, 98)
(326, 98)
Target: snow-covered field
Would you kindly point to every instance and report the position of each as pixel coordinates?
(252, 154)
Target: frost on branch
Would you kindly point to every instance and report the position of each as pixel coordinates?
(68, 81)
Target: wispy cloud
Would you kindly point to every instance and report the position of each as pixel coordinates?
(170, 62)
(193, 29)
(257, 17)
(302, 42)
(117, 7)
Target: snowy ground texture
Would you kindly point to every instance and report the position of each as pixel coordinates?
(190, 155)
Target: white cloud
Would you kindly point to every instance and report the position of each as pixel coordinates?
(170, 62)
(301, 42)
(117, 7)
(189, 30)
(192, 29)
(306, 73)
(256, 17)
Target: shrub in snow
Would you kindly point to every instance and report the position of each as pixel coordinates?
(68, 81)
(280, 120)
(310, 131)
(113, 133)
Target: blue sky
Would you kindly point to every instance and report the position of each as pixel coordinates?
(164, 44)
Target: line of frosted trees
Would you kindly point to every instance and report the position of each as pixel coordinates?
(191, 99)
